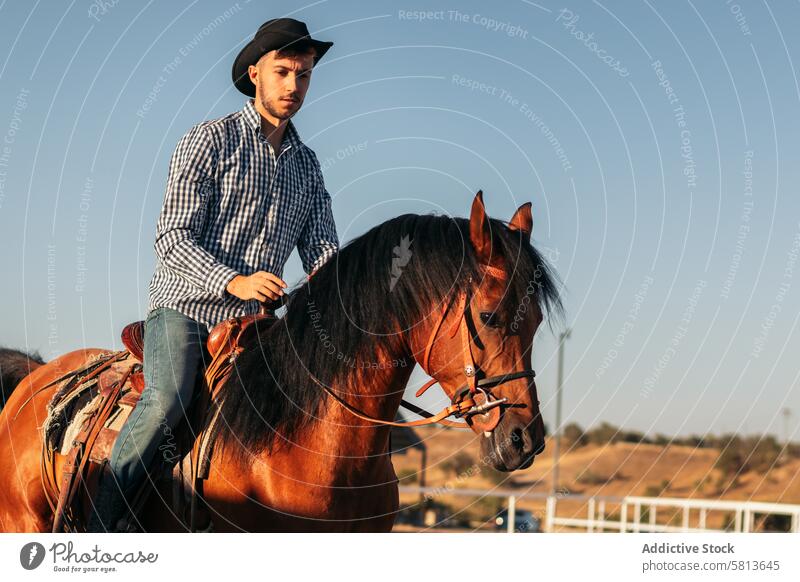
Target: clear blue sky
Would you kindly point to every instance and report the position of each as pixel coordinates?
(658, 142)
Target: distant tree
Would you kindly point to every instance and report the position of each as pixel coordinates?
(721, 441)
(694, 440)
(631, 437)
(762, 452)
(603, 434)
(574, 435)
(755, 453)
(459, 463)
(661, 440)
(731, 459)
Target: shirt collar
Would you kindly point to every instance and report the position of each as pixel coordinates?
(252, 118)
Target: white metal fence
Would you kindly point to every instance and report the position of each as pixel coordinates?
(632, 513)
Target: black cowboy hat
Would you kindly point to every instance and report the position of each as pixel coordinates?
(278, 33)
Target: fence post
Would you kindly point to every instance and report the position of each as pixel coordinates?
(637, 516)
(512, 514)
(602, 517)
(590, 526)
(550, 510)
(685, 523)
(623, 517)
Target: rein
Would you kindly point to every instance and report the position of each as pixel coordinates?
(473, 401)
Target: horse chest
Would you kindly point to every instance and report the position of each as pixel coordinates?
(277, 498)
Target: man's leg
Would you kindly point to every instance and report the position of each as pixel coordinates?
(174, 353)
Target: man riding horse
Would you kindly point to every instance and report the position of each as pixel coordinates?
(243, 190)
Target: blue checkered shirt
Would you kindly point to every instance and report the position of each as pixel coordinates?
(232, 207)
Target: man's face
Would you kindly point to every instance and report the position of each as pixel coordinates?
(281, 82)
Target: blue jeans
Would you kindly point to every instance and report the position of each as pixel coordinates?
(174, 355)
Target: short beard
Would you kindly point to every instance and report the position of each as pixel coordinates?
(265, 104)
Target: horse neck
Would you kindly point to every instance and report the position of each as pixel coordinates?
(339, 446)
(375, 389)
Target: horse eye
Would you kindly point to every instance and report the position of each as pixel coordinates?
(490, 319)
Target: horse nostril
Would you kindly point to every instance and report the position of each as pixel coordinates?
(518, 439)
(522, 441)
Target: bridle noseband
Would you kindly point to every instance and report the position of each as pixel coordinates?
(473, 401)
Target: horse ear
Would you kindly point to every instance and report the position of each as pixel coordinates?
(523, 221)
(480, 233)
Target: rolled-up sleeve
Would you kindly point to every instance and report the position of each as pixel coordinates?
(318, 240)
(182, 218)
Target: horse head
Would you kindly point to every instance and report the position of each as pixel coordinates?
(479, 347)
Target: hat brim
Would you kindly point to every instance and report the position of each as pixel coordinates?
(258, 47)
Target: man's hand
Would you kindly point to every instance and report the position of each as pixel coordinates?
(260, 285)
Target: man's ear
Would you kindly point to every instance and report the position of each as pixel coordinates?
(480, 233)
(523, 221)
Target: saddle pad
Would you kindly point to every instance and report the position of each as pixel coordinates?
(77, 400)
(72, 420)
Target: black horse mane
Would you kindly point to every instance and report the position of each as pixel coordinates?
(389, 279)
(14, 366)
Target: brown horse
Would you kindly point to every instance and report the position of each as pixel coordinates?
(461, 297)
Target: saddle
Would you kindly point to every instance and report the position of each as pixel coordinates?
(91, 405)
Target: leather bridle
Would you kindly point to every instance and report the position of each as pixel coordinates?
(473, 401)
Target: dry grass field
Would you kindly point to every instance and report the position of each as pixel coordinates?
(614, 470)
